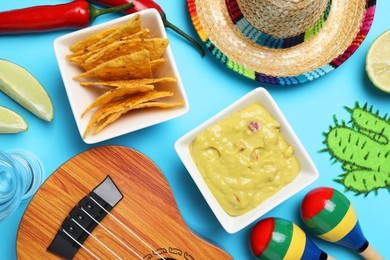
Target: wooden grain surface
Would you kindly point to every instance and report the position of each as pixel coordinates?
(148, 208)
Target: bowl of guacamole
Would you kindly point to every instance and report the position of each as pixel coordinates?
(246, 160)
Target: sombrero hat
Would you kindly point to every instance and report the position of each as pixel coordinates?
(282, 42)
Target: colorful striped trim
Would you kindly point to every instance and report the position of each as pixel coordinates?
(364, 28)
(285, 80)
(263, 39)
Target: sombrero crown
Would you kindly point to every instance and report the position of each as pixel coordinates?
(278, 23)
(282, 41)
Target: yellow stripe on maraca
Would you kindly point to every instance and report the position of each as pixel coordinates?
(343, 228)
(297, 245)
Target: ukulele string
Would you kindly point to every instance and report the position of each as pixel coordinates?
(112, 234)
(128, 229)
(81, 245)
(94, 237)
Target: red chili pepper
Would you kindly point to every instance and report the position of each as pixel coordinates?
(146, 4)
(73, 15)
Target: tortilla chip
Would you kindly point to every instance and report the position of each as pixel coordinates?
(116, 106)
(159, 104)
(144, 33)
(155, 46)
(113, 117)
(130, 82)
(120, 105)
(131, 27)
(115, 93)
(154, 64)
(79, 58)
(131, 66)
(82, 45)
(110, 119)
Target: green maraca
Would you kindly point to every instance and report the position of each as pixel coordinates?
(277, 238)
(331, 216)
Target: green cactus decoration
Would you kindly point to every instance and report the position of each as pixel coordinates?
(363, 150)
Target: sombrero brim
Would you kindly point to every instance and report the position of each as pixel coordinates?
(345, 29)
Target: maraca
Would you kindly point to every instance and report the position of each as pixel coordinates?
(331, 216)
(277, 238)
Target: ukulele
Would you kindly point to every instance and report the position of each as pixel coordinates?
(109, 202)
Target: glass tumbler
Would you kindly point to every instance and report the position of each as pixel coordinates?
(20, 177)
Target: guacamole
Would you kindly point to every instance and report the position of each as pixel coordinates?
(244, 159)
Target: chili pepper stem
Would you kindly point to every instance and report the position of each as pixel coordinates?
(181, 33)
(95, 12)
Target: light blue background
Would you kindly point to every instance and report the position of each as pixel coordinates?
(210, 88)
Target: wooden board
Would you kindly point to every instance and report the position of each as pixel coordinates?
(148, 208)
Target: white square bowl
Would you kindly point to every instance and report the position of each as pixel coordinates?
(308, 172)
(80, 97)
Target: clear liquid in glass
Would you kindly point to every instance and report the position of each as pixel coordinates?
(20, 177)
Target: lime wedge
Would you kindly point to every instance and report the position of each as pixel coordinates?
(378, 62)
(24, 88)
(11, 122)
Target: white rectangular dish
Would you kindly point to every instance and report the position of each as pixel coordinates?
(80, 97)
(307, 174)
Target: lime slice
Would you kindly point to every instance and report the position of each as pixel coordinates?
(378, 62)
(11, 122)
(24, 88)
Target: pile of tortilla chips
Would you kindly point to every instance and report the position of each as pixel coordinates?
(121, 59)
